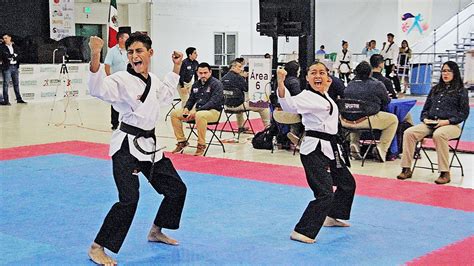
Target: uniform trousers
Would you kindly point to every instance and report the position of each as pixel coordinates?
(441, 136)
(394, 77)
(322, 175)
(165, 181)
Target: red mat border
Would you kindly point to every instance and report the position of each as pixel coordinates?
(412, 192)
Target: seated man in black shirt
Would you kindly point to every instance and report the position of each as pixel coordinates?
(377, 63)
(372, 92)
(234, 80)
(204, 105)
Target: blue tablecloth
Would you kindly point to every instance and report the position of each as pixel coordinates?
(399, 107)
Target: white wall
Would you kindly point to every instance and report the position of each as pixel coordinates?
(178, 24)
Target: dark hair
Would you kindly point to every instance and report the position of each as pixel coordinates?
(120, 34)
(204, 65)
(138, 37)
(317, 62)
(390, 35)
(321, 47)
(376, 60)
(455, 85)
(267, 55)
(343, 42)
(240, 60)
(363, 70)
(6, 34)
(236, 61)
(372, 41)
(292, 68)
(190, 51)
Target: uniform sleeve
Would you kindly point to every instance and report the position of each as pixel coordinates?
(106, 88)
(167, 88)
(301, 103)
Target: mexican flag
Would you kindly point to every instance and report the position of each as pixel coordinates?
(113, 23)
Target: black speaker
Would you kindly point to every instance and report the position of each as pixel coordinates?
(284, 18)
(126, 29)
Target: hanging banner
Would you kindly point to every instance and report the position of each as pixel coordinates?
(61, 19)
(260, 75)
(414, 19)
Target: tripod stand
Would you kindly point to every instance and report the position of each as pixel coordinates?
(68, 95)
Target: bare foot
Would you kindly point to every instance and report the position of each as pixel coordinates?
(97, 255)
(301, 238)
(331, 222)
(155, 235)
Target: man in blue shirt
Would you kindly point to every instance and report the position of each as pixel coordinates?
(116, 60)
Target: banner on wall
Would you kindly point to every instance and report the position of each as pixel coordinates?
(414, 19)
(61, 19)
(260, 75)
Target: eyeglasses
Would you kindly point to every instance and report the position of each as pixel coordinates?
(446, 71)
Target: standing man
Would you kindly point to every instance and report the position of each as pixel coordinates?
(137, 94)
(390, 54)
(186, 74)
(10, 68)
(116, 60)
(204, 105)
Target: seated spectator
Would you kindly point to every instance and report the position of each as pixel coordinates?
(204, 105)
(377, 63)
(445, 108)
(336, 89)
(235, 79)
(372, 92)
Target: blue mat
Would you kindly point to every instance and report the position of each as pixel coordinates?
(52, 207)
(467, 135)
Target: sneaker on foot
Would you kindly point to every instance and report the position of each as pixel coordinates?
(180, 146)
(21, 101)
(406, 173)
(200, 150)
(444, 178)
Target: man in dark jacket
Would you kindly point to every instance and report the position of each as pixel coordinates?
(187, 74)
(377, 64)
(204, 105)
(234, 80)
(374, 94)
(10, 69)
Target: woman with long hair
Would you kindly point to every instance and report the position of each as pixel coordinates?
(404, 57)
(446, 107)
(320, 154)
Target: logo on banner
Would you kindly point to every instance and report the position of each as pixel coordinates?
(29, 83)
(48, 69)
(28, 95)
(411, 22)
(26, 70)
(51, 82)
(73, 69)
(49, 94)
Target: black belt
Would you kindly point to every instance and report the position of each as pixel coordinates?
(139, 133)
(334, 140)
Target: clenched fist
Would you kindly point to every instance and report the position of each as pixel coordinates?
(281, 74)
(95, 44)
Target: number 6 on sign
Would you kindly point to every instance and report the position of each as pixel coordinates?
(260, 70)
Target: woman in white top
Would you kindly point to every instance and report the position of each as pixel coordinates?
(320, 154)
(343, 63)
